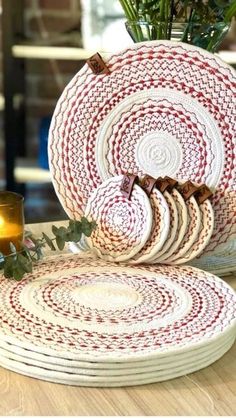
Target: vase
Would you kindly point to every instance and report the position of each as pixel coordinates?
(206, 36)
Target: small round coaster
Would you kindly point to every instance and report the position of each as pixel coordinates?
(194, 225)
(181, 228)
(160, 228)
(205, 233)
(172, 228)
(123, 225)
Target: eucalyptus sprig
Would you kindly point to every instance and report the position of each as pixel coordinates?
(16, 264)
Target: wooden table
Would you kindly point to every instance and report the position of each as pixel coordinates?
(211, 391)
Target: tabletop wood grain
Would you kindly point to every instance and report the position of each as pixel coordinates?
(208, 392)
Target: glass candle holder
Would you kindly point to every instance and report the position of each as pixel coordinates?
(11, 221)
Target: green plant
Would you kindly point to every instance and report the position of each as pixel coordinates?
(203, 22)
(18, 263)
(203, 11)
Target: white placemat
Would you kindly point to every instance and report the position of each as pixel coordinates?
(91, 310)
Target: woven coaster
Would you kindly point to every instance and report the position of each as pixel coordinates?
(123, 223)
(204, 236)
(173, 226)
(160, 228)
(182, 227)
(193, 229)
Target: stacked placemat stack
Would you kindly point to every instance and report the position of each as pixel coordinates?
(94, 323)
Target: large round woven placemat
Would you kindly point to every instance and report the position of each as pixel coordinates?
(99, 378)
(97, 311)
(162, 362)
(165, 109)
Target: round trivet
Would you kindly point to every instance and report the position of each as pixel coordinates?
(181, 230)
(91, 310)
(204, 236)
(165, 108)
(193, 228)
(123, 224)
(160, 228)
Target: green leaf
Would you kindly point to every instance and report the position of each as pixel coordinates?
(25, 263)
(74, 231)
(8, 267)
(18, 271)
(49, 242)
(87, 227)
(39, 253)
(26, 250)
(87, 231)
(29, 254)
(60, 242)
(75, 226)
(75, 237)
(231, 12)
(72, 223)
(54, 229)
(60, 232)
(12, 248)
(62, 235)
(84, 221)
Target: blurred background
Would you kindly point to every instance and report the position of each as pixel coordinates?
(44, 43)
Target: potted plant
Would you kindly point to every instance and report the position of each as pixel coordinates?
(203, 23)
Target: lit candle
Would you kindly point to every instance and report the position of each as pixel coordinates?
(11, 221)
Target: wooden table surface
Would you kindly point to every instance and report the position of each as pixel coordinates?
(211, 391)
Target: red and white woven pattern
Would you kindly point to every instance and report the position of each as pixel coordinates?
(170, 107)
(193, 228)
(173, 225)
(93, 310)
(160, 228)
(155, 136)
(207, 225)
(159, 370)
(182, 227)
(123, 225)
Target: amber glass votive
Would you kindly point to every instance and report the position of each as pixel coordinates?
(11, 221)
